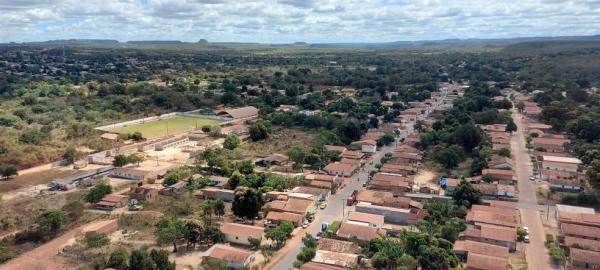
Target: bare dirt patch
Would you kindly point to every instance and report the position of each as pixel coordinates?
(33, 178)
(281, 142)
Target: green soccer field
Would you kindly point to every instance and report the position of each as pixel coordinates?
(158, 128)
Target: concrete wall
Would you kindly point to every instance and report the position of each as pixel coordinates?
(225, 120)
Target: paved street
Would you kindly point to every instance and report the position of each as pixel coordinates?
(333, 211)
(535, 252)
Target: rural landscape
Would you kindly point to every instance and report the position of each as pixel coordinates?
(477, 154)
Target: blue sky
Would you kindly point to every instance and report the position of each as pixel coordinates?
(280, 21)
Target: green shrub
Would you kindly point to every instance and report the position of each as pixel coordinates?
(95, 240)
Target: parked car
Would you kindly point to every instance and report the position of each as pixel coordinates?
(305, 225)
(323, 206)
(526, 239)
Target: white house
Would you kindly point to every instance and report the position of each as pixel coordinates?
(239, 233)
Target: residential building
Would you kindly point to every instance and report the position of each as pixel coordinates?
(321, 193)
(505, 177)
(142, 193)
(275, 217)
(111, 202)
(365, 219)
(402, 169)
(215, 193)
(406, 158)
(485, 216)
(392, 214)
(560, 166)
(234, 257)
(340, 169)
(463, 248)
(358, 233)
(492, 234)
(239, 233)
(549, 144)
(320, 266)
(477, 261)
(583, 259)
(501, 163)
(389, 182)
(366, 146)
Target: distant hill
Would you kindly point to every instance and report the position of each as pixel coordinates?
(154, 42)
(552, 46)
(450, 42)
(495, 44)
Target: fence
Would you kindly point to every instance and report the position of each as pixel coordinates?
(225, 120)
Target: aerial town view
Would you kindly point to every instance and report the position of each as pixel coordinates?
(310, 135)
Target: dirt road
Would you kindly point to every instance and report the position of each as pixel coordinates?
(535, 251)
(44, 256)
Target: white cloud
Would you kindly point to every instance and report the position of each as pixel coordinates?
(295, 20)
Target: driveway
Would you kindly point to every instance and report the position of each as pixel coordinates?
(535, 252)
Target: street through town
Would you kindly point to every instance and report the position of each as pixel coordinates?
(535, 251)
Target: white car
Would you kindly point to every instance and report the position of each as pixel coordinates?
(532, 178)
(323, 206)
(526, 239)
(305, 225)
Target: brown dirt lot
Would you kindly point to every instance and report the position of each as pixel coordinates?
(33, 178)
(280, 142)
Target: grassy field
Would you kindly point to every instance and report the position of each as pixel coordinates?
(158, 128)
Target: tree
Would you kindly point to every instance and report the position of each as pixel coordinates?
(232, 142)
(137, 159)
(511, 126)
(71, 154)
(169, 230)
(254, 243)
(306, 254)
(118, 259)
(407, 262)
(297, 155)
(206, 128)
(520, 106)
(8, 171)
(120, 160)
(219, 208)
(247, 202)
(433, 258)
(192, 233)
(465, 194)
(593, 173)
(556, 253)
(140, 260)
(505, 152)
(258, 131)
(136, 136)
(386, 139)
(98, 192)
(309, 241)
(448, 156)
(521, 233)
(51, 220)
(235, 179)
(278, 234)
(161, 259)
(468, 136)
